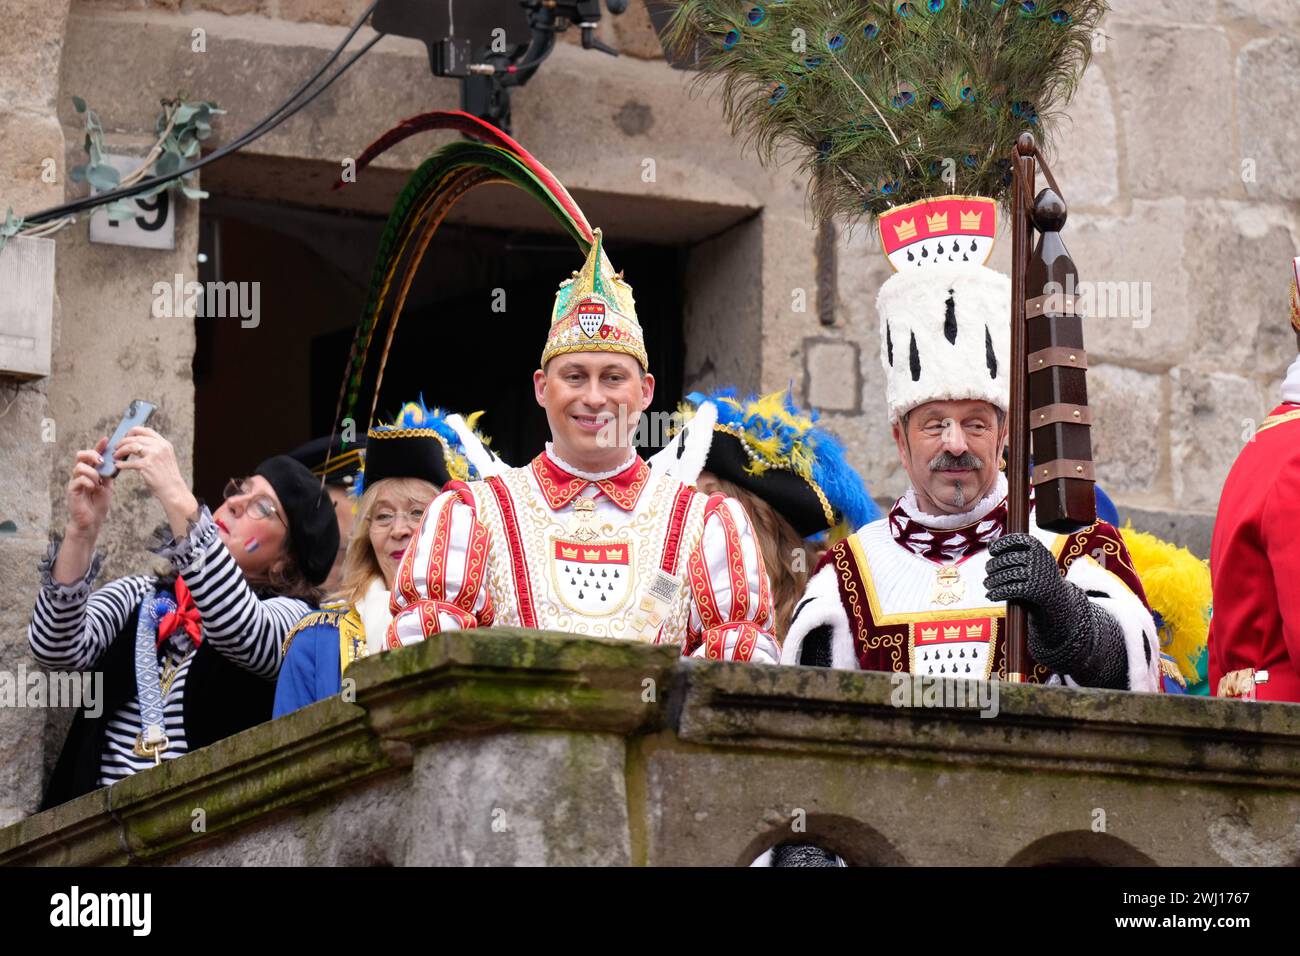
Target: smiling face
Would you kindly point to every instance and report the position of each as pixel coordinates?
(258, 544)
(593, 401)
(951, 451)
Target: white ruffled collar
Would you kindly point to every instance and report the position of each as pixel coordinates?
(589, 475)
(1291, 384)
(375, 616)
(947, 522)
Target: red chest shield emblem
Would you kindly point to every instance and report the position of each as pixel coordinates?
(591, 318)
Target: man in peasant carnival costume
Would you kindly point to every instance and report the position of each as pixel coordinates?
(905, 115)
(924, 589)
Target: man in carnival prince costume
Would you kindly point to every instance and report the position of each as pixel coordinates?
(587, 538)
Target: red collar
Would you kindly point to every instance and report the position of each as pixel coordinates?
(559, 487)
(946, 545)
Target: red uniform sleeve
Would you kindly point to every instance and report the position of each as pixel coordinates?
(1281, 526)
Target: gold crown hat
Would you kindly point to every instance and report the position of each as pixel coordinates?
(1295, 293)
(595, 312)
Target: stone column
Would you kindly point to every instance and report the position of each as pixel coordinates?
(31, 46)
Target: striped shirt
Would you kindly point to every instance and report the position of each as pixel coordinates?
(71, 629)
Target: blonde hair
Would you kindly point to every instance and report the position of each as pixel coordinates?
(360, 566)
(779, 543)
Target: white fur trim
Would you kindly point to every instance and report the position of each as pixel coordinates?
(683, 458)
(914, 303)
(821, 605)
(1134, 620)
(948, 522)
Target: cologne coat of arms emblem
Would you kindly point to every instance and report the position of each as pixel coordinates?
(593, 578)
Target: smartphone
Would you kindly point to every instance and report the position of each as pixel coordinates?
(137, 413)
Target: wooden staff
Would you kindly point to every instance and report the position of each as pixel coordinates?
(1049, 394)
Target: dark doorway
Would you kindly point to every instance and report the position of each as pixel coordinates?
(265, 389)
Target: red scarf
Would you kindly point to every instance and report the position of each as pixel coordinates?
(185, 616)
(946, 545)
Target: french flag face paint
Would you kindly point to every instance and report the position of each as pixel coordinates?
(251, 545)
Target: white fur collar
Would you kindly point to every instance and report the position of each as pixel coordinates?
(589, 475)
(375, 616)
(945, 522)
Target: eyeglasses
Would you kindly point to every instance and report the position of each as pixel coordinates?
(385, 518)
(260, 508)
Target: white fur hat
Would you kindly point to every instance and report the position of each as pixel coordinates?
(945, 335)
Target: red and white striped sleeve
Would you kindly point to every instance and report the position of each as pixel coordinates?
(731, 599)
(441, 584)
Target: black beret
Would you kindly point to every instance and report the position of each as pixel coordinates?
(309, 512)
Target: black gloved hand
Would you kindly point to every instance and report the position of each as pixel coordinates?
(1067, 633)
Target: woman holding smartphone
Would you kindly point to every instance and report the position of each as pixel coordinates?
(190, 657)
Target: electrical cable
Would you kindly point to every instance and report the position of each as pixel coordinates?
(269, 122)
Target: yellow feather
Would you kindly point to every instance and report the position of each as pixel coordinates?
(1177, 584)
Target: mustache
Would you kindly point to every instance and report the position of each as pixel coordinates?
(946, 460)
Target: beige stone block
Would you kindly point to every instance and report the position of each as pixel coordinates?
(1240, 266)
(1126, 427)
(235, 7)
(31, 44)
(634, 35)
(723, 308)
(831, 378)
(1174, 85)
(339, 12)
(1178, 11)
(26, 454)
(30, 144)
(1085, 160)
(1135, 274)
(1269, 14)
(1268, 89)
(1211, 415)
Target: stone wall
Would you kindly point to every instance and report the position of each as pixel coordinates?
(509, 747)
(1182, 95)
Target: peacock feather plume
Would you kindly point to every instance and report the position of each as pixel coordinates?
(887, 102)
(424, 202)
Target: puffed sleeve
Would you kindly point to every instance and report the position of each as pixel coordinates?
(441, 584)
(731, 599)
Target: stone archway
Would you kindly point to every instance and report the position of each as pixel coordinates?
(857, 843)
(1080, 848)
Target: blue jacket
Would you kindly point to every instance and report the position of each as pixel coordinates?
(311, 655)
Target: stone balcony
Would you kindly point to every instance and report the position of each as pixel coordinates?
(514, 747)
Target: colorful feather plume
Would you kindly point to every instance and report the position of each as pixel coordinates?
(778, 434)
(891, 101)
(428, 196)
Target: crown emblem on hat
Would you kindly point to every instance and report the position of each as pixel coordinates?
(958, 229)
(595, 312)
(938, 223)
